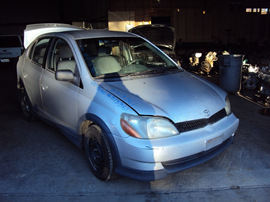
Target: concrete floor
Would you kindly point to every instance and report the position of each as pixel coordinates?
(37, 163)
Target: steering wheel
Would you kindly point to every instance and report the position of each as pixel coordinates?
(136, 61)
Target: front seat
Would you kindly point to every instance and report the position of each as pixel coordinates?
(66, 61)
(105, 63)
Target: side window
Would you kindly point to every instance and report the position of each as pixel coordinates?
(37, 53)
(61, 57)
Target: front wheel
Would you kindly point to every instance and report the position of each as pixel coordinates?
(99, 153)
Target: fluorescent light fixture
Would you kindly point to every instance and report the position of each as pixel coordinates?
(198, 55)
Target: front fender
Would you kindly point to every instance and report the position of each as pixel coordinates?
(94, 119)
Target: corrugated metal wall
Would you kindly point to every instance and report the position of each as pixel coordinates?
(193, 26)
(186, 16)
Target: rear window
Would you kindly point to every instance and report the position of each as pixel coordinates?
(10, 41)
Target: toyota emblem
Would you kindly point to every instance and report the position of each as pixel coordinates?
(206, 113)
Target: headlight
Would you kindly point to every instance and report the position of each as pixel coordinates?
(228, 106)
(147, 127)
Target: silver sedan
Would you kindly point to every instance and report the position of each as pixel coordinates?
(130, 106)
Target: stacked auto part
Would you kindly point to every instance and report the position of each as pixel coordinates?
(206, 65)
(257, 78)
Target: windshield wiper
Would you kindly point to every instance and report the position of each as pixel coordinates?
(155, 71)
(150, 71)
(110, 75)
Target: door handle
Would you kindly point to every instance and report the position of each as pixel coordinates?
(25, 76)
(44, 87)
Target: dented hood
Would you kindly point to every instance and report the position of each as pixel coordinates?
(160, 35)
(179, 96)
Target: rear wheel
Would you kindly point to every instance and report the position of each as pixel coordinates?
(99, 153)
(26, 106)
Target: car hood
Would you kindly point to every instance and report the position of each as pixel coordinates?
(179, 96)
(160, 35)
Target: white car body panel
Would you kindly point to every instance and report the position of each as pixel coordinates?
(32, 31)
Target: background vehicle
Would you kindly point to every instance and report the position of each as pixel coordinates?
(11, 48)
(162, 36)
(34, 30)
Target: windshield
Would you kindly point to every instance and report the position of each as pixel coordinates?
(117, 57)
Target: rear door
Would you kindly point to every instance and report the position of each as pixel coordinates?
(33, 69)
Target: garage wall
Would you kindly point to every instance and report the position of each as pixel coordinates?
(186, 16)
(193, 26)
(17, 14)
(121, 20)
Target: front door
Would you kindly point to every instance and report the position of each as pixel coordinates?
(60, 97)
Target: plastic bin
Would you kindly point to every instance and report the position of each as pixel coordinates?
(230, 72)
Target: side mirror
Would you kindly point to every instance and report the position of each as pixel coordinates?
(64, 75)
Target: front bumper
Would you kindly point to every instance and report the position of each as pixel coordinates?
(148, 160)
(170, 167)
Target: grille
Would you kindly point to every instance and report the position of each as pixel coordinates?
(200, 123)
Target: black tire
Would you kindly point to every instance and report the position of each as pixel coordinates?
(26, 107)
(99, 153)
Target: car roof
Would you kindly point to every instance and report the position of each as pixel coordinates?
(86, 34)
